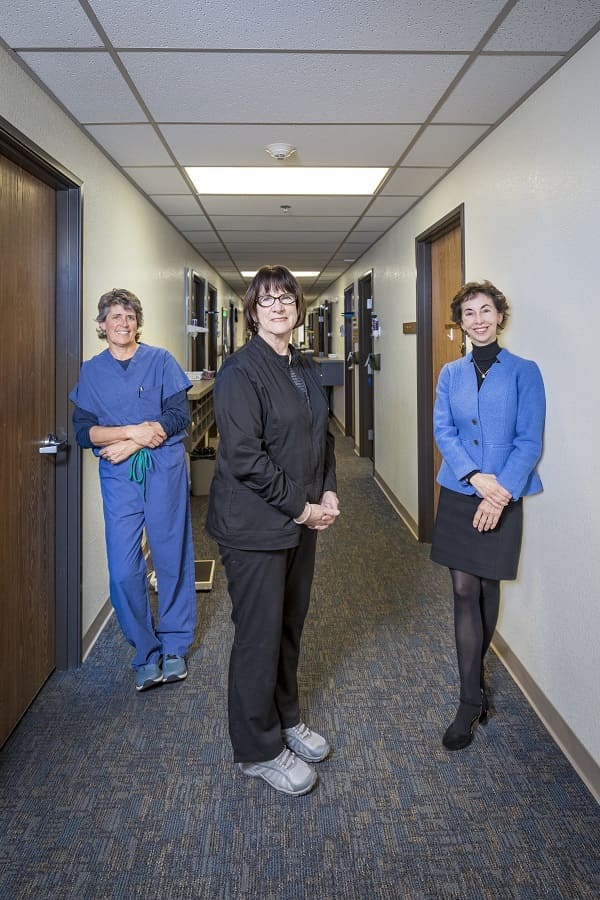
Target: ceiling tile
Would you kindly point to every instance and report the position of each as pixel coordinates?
(545, 25)
(217, 206)
(278, 224)
(176, 204)
(316, 145)
(75, 78)
(158, 180)
(375, 223)
(491, 86)
(203, 237)
(390, 206)
(131, 145)
(53, 24)
(360, 24)
(441, 145)
(408, 180)
(179, 87)
(193, 222)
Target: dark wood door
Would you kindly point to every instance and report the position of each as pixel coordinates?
(349, 363)
(212, 324)
(440, 273)
(446, 338)
(366, 428)
(27, 495)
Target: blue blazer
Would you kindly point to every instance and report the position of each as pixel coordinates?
(498, 429)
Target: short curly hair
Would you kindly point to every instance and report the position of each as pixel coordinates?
(469, 290)
(271, 278)
(119, 297)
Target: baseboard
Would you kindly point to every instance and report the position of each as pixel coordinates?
(339, 424)
(581, 759)
(400, 509)
(95, 629)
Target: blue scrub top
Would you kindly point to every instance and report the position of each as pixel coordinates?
(119, 396)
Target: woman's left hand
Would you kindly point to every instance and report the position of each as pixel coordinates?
(487, 516)
(119, 451)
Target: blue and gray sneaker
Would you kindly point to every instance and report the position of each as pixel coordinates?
(148, 676)
(173, 668)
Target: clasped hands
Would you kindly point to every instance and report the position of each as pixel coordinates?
(324, 513)
(495, 498)
(146, 434)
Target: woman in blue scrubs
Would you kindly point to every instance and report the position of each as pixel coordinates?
(131, 409)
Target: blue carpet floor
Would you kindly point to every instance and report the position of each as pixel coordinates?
(106, 793)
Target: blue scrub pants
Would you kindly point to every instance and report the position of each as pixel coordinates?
(165, 512)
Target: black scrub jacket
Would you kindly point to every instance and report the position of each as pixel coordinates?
(275, 451)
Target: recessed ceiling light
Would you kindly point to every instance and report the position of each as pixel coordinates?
(291, 180)
(349, 260)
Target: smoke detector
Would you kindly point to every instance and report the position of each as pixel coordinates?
(280, 150)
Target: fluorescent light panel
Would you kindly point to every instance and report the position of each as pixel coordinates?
(288, 180)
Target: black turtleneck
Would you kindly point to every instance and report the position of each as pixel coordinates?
(483, 359)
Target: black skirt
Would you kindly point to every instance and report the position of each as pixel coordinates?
(487, 554)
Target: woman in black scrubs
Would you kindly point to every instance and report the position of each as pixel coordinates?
(273, 490)
(488, 424)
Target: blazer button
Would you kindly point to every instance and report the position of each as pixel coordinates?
(476, 442)
(473, 421)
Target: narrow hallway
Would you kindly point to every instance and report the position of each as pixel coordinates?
(106, 793)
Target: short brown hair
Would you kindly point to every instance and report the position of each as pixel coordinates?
(469, 290)
(272, 278)
(119, 297)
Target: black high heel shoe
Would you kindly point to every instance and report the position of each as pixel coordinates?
(459, 734)
(485, 708)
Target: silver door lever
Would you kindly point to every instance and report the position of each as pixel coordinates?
(52, 444)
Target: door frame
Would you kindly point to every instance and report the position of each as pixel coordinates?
(423, 242)
(24, 153)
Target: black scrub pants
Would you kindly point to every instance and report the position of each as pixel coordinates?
(270, 595)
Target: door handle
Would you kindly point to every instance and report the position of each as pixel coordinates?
(53, 445)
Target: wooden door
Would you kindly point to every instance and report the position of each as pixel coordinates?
(212, 324)
(446, 338)
(366, 402)
(349, 362)
(27, 478)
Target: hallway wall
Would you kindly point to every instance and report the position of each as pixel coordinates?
(126, 243)
(532, 218)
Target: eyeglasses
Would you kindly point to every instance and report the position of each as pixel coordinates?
(267, 300)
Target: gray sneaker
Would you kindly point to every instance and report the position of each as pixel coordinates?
(305, 743)
(286, 773)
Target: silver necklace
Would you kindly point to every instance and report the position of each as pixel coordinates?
(483, 374)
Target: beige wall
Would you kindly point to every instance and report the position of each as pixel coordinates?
(126, 243)
(532, 219)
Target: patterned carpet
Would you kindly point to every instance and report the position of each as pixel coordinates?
(106, 793)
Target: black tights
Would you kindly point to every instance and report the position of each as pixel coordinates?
(476, 604)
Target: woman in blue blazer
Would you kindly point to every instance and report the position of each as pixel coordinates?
(488, 424)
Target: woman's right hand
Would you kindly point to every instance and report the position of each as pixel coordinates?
(486, 516)
(488, 487)
(147, 434)
(119, 451)
(321, 517)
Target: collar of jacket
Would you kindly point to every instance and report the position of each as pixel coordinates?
(267, 351)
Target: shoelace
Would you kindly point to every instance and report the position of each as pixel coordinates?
(302, 730)
(285, 759)
(139, 464)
